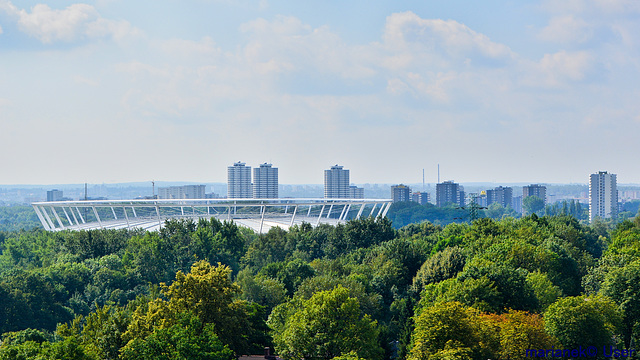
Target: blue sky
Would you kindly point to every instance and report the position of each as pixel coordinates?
(503, 91)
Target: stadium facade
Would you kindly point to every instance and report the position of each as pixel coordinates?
(257, 214)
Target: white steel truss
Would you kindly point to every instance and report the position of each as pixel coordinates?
(257, 214)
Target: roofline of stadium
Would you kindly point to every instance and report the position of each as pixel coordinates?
(257, 214)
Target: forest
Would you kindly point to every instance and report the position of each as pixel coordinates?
(486, 289)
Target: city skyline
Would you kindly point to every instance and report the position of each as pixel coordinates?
(113, 91)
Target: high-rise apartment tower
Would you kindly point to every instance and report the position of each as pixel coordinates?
(501, 195)
(603, 196)
(239, 181)
(265, 182)
(449, 192)
(336, 183)
(535, 190)
(400, 192)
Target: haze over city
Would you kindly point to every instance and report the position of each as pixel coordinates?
(113, 91)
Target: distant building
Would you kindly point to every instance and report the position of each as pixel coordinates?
(400, 193)
(239, 181)
(182, 192)
(336, 183)
(449, 192)
(501, 195)
(356, 192)
(265, 182)
(481, 198)
(535, 190)
(55, 195)
(603, 196)
(516, 203)
(421, 198)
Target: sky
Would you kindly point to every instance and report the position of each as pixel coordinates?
(110, 91)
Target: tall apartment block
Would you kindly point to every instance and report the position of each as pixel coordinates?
(535, 190)
(336, 183)
(400, 192)
(501, 195)
(239, 181)
(265, 182)
(449, 192)
(603, 195)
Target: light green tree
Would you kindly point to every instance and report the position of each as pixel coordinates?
(327, 325)
(187, 339)
(449, 330)
(579, 320)
(208, 293)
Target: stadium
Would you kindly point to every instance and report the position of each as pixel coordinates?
(257, 214)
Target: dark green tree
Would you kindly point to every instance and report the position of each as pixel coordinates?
(532, 204)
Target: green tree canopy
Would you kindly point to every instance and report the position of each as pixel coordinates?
(185, 340)
(580, 320)
(327, 325)
(532, 204)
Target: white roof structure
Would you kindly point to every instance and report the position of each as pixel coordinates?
(257, 214)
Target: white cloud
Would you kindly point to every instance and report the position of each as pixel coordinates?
(407, 31)
(566, 29)
(572, 66)
(286, 60)
(75, 22)
(559, 69)
(288, 45)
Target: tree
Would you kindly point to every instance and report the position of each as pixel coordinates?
(208, 293)
(352, 355)
(262, 290)
(532, 204)
(452, 331)
(443, 265)
(103, 330)
(511, 284)
(519, 331)
(545, 291)
(30, 300)
(19, 348)
(623, 286)
(449, 330)
(187, 339)
(327, 325)
(497, 211)
(580, 320)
